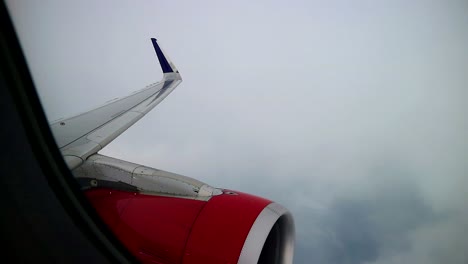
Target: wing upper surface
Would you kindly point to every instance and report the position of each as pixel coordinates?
(82, 135)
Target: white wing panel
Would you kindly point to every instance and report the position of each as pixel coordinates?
(68, 130)
(82, 135)
(107, 133)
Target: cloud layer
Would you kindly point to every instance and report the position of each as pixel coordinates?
(351, 115)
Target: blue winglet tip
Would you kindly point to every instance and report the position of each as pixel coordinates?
(165, 66)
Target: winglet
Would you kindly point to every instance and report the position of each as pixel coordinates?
(166, 65)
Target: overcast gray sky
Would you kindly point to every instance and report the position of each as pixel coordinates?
(350, 113)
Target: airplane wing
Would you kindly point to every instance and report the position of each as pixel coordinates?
(163, 217)
(85, 134)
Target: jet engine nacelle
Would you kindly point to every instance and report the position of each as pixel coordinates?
(182, 220)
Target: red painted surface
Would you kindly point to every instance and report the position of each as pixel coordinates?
(158, 229)
(154, 228)
(222, 227)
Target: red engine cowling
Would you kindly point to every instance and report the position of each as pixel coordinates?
(232, 227)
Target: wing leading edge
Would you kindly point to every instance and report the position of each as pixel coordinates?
(85, 134)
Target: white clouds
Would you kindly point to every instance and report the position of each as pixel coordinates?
(343, 112)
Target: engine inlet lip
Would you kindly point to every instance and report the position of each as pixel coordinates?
(272, 215)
